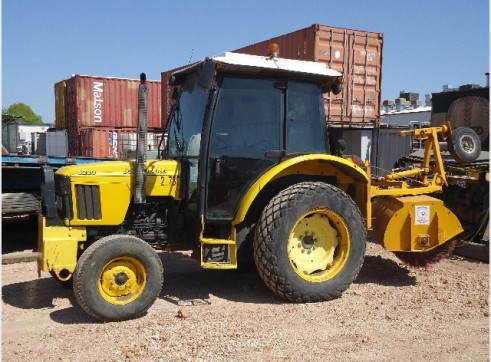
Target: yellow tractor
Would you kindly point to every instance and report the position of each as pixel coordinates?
(247, 174)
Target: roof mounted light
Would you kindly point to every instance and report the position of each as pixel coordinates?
(273, 50)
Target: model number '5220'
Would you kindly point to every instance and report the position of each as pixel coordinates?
(86, 172)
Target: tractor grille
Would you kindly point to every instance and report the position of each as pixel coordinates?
(63, 197)
(88, 202)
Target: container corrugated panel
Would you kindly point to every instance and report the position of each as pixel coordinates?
(57, 143)
(60, 105)
(107, 102)
(10, 137)
(110, 142)
(74, 135)
(357, 54)
(387, 149)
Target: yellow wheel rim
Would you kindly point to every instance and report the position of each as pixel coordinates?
(122, 280)
(319, 245)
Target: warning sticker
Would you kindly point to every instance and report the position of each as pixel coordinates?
(422, 215)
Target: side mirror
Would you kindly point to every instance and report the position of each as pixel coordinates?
(336, 88)
(207, 75)
(175, 93)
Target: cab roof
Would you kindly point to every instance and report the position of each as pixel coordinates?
(255, 64)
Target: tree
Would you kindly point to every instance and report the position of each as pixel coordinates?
(23, 111)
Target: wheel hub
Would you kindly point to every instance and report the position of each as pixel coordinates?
(308, 241)
(122, 280)
(312, 245)
(467, 144)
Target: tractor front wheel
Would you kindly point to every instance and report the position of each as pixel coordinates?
(117, 278)
(310, 242)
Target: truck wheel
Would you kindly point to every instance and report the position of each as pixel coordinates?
(464, 145)
(310, 242)
(118, 278)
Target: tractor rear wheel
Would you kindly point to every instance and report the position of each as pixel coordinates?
(117, 278)
(310, 242)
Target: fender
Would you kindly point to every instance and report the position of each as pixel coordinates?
(313, 164)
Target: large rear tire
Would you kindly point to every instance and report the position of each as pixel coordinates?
(310, 242)
(117, 278)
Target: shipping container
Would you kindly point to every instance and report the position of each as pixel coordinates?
(57, 143)
(10, 136)
(60, 105)
(18, 137)
(75, 135)
(468, 108)
(357, 54)
(387, 148)
(89, 101)
(110, 142)
(39, 146)
(358, 141)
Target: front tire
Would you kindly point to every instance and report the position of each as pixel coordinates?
(310, 242)
(117, 278)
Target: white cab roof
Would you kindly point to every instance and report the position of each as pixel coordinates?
(289, 65)
(245, 63)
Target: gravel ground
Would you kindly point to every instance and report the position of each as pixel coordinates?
(389, 313)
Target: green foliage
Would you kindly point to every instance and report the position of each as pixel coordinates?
(23, 111)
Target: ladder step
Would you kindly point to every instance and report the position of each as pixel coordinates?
(218, 253)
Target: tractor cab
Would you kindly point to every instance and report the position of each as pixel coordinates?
(236, 117)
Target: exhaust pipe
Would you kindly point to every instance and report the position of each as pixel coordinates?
(141, 141)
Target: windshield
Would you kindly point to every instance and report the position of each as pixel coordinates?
(187, 119)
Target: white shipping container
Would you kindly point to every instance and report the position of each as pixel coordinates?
(57, 143)
(359, 142)
(10, 137)
(36, 141)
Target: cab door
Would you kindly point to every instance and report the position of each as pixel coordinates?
(247, 124)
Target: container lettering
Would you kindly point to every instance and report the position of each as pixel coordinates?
(98, 102)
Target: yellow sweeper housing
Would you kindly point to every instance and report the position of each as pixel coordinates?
(413, 223)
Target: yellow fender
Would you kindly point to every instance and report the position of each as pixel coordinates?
(313, 164)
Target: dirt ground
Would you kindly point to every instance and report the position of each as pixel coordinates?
(390, 313)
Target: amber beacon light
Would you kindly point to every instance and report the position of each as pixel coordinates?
(273, 50)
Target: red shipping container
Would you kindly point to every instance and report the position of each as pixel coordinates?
(89, 101)
(357, 54)
(110, 142)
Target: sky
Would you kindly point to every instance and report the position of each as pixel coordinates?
(427, 43)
